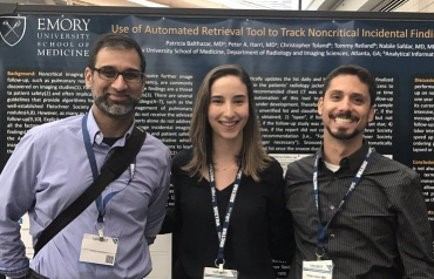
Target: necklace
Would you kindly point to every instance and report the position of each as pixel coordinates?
(226, 169)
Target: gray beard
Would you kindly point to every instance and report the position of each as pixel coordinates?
(115, 110)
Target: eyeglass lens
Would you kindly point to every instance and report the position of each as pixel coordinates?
(112, 74)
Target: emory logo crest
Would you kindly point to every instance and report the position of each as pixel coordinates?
(12, 29)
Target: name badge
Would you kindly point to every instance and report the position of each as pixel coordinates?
(216, 273)
(98, 250)
(317, 269)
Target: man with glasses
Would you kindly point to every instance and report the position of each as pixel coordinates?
(55, 162)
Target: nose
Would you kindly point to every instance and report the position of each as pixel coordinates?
(345, 104)
(119, 83)
(229, 110)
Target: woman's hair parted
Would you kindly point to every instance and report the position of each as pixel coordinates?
(253, 156)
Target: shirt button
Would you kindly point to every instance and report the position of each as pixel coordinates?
(332, 207)
(332, 235)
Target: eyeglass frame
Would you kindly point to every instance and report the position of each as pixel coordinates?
(106, 78)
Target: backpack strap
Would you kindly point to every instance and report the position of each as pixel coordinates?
(113, 167)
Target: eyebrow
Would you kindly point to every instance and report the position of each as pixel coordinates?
(237, 94)
(116, 69)
(351, 93)
(335, 91)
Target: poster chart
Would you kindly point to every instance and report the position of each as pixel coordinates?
(287, 54)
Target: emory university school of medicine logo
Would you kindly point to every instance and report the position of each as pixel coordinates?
(12, 29)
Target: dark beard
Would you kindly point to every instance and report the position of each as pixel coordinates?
(343, 136)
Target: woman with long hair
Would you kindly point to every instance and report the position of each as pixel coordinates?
(229, 206)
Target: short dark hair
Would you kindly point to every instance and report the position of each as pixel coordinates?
(115, 41)
(351, 69)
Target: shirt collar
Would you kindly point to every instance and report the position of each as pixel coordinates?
(352, 161)
(96, 135)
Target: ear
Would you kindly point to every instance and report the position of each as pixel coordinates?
(143, 85)
(371, 114)
(88, 77)
(320, 105)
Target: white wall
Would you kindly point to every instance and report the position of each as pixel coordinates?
(422, 6)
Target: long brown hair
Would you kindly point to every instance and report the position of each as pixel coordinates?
(253, 156)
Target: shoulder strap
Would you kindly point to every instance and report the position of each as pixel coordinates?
(113, 167)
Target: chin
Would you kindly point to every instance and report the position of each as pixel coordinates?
(345, 136)
(230, 137)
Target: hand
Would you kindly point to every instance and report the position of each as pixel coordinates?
(22, 277)
(26, 276)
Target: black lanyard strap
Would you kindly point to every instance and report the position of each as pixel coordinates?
(222, 229)
(322, 230)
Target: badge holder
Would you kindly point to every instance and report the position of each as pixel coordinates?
(98, 249)
(319, 269)
(219, 272)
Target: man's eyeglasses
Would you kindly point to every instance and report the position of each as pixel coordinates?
(111, 74)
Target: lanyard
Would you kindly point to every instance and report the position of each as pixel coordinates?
(100, 202)
(222, 229)
(322, 230)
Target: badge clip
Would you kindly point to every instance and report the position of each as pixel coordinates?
(220, 265)
(101, 234)
(221, 268)
(319, 253)
(100, 229)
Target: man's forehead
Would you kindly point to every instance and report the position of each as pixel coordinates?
(108, 54)
(343, 81)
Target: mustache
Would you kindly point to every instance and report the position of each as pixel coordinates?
(344, 114)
